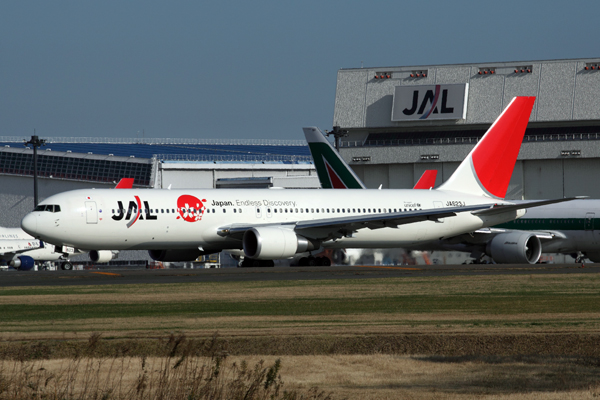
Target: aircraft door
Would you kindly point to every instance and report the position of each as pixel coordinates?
(91, 212)
(589, 221)
(439, 204)
(591, 237)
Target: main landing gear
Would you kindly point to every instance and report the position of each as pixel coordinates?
(67, 266)
(314, 262)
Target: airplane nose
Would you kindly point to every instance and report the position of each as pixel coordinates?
(29, 224)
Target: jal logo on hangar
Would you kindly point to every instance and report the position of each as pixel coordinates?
(427, 102)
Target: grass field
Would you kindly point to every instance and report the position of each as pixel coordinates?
(506, 335)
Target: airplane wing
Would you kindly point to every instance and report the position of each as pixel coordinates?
(544, 235)
(335, 228)
(17, 246)
(501, 208)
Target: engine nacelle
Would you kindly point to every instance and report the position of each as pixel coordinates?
(101, 256)
(178, 254)
(270, 243)
(22, 263)
(515, 247)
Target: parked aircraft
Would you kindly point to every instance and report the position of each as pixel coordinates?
(567, 228)
(180, 225)
(21, 251)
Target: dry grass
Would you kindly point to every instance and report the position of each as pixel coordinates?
(354, 377)
(465, 352)
(182, 374)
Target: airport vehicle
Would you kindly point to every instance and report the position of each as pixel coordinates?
(566, 228)
(21, 251)
(180, 225)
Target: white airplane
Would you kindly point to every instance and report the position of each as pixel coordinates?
(567, 228)
(180, 225)
(21, 251)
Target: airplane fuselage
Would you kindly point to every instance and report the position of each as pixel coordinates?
(182, 219)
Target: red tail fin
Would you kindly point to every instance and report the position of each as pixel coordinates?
(493, 157)
(125, 183)
(427, 180)
(489, 166)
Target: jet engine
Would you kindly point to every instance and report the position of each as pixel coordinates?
(22, 263)
(101, 256)
(177, 255)
(270, 243)
(515, 247)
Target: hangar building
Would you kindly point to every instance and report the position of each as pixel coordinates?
(404, 120)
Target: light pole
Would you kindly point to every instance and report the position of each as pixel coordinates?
(337, 133)
(35, 142)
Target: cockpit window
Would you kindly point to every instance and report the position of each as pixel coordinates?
(48, 207)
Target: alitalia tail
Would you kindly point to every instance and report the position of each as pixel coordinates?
(335, 173)
(180, 225)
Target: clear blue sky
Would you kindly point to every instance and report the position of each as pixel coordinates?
(243, 69)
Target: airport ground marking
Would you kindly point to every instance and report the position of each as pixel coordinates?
(105, 273)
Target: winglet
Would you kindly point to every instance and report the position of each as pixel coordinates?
(427, 180)
(125, 183)
(332, 170)
(489, 166)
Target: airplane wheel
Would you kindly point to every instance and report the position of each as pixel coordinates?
(67, 266)
(326, 262)
(312, 262)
